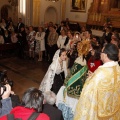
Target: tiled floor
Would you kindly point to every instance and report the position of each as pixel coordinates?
(24, 73)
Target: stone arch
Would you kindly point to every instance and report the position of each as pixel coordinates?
(51, 14)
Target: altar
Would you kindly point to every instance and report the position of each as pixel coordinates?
(103, 12)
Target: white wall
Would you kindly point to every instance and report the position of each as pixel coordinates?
(51, 15)
(77, 16)
(43, 7)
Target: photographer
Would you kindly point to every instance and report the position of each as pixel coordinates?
(31, 108)
(6, 104)
(8, 99)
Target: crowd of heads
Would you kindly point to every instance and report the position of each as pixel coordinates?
(11, 33)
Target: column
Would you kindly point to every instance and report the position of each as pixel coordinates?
(36, 13)
(63, 6)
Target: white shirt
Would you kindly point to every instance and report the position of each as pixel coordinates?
(61, 41)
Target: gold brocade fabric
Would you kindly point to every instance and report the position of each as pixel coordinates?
(100, 97)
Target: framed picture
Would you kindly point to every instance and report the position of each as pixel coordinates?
(78, 5)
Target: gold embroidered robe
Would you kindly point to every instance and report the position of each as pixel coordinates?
(100, 97)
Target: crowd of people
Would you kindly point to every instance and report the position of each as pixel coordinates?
(73, 74)
(82, 81)
(34, 105)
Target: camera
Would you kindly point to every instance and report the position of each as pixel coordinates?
(4, 80)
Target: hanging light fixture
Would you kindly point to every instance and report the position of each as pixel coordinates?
(52, 0)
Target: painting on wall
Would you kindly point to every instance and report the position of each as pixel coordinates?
(78, 5)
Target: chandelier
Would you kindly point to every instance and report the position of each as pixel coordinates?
(52, 0)
(13, 2)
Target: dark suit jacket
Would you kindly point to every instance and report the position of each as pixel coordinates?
(59, 30)
(52, 112)
(19, 26)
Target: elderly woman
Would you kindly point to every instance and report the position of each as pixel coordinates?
(49, 108)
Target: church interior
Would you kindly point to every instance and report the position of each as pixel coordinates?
(28, 71)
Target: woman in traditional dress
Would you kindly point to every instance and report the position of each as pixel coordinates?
(56, 73)
(69, 94)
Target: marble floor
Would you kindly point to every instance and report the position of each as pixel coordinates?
(24, 73)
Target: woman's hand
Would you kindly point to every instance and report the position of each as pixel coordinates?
(7, 92)
(89, 73)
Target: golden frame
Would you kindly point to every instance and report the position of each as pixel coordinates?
(78, 5)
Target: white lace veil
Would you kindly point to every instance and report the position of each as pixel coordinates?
(47, 81)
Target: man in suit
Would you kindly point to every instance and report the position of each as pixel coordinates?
(49, 108)
(60, 28)
(47, 31)
(19, 25)
(22, 42)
